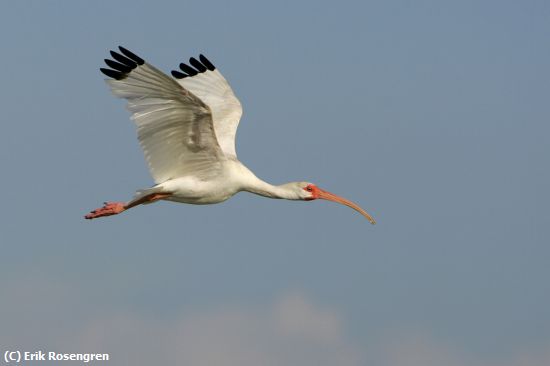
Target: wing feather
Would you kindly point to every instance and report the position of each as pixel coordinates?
(175, 127)
(208, 84)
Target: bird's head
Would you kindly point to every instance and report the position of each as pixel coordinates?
(308, 191)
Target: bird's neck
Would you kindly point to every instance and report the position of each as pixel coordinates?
(268, 190)
(251, 183)
(257, 186)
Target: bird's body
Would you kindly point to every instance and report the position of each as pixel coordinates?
(233, 177)
(186, 126)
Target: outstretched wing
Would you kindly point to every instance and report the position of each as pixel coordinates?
(203, 79)
(175, 128)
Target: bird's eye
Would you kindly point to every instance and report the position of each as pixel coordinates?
(309, 189)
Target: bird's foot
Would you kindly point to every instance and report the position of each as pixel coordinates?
(110, 208)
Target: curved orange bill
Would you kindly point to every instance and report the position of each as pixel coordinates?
(332, 197)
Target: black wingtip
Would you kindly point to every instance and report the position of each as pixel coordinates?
(131, 55)
(197, 65)
(123, 60)
(113, 74)
(188, 69)
(206, 62)
(118, 66)
(178, 75)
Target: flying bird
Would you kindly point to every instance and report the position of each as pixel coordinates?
(186, 126)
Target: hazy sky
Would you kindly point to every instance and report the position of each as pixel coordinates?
(432, 115)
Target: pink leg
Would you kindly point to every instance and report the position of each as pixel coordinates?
(110, 208)
(114, 208)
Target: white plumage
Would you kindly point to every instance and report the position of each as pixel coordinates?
(186, 127)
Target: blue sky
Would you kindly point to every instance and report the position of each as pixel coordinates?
(432, 115)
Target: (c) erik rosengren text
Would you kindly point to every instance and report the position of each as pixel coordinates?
(18, 356)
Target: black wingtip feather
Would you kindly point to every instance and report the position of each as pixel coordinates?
(197, 65)
(118, 66)
(123, 60)
(178, 75)
(206, 62)
(131, 55)
(113, 74)
(188, 69)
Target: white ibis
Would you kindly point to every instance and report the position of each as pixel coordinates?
(186, 126)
